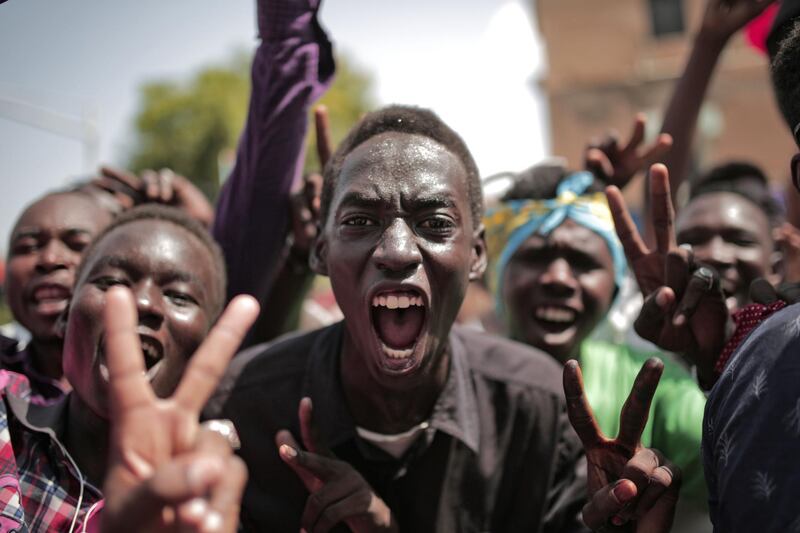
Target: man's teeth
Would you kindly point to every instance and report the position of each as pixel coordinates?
(150, 351)
(555, 314)
(397, 354)
(398, 300)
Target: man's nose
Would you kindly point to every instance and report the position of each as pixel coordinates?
(149, 304)
(397, 250)
(54, 255)
(716, 252)
(559, 277)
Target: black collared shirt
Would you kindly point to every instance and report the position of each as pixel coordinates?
(498, 453)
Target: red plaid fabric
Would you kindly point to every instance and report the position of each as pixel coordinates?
(41, 488)
(746, 320)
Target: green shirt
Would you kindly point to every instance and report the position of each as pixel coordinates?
(675, 425)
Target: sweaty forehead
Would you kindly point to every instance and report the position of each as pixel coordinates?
(720, 210)
(63, 211)
(398, 164)
(156, 245)
(570, 235)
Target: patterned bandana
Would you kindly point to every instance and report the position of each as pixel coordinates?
(510, 224)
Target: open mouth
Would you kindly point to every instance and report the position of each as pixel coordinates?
(50, 299)
(398, 317)
(153, 352)
(555, 319)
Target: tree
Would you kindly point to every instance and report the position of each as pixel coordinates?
(190, 126)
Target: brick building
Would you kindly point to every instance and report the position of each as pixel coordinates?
(609, 59)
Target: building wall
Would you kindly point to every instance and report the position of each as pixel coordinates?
(605, 65)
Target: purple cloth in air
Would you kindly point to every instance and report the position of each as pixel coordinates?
(292, 68)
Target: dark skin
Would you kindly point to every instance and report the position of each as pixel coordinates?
(400, 217)
(173, 282)
(631, 488)
(733, 235)
(166, 473)
(683, 311)
(45, 248)
(570, 271)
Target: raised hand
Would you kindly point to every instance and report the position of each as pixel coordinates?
(306, 199)
(631, 488)
(165, 473)
(164, 186)
(723, 18)
(616, 164)
(684, 309)
(338, 493)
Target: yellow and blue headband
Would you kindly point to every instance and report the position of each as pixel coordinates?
(510, 224)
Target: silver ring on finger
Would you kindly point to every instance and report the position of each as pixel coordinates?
(707, 275)
(225, 429)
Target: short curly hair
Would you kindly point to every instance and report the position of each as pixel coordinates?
(182, 220)
(414, 121)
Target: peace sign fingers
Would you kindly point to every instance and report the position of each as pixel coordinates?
(578, 409)
(128, 385)
(629, 236)
(210, 360)
(663, 213)
(636, 409)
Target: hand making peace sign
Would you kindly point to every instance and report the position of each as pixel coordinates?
(166, 473)
(616, 164)
(631, 488)
(684, 308)
(338, 492)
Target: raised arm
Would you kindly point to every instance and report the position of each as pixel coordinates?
(292, 68)
(722, 19)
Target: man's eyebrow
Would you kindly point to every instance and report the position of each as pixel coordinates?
(26, 232)
(441, 201)
(358, 199)
(115, 261)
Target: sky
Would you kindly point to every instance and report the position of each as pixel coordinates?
(475, 62)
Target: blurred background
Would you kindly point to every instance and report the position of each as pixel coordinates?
(152, 84)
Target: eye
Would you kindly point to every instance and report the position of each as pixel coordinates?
(77, 243)
(438, 224)
(179, 298)
(106, 282)
(25, 246)
(358, 221)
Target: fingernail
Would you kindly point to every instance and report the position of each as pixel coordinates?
(623, 491)
(196, 507)
(617, 520)
(679, 320)
(203, 471)
(661, 298)
(212, 522)
(288, 452)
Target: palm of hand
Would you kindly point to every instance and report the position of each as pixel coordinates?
(606, 461)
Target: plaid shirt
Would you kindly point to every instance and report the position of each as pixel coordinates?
(16, 357)
(40, 485)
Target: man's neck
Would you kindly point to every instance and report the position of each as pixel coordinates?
(388, 410)
(86, 439)
(45, 357)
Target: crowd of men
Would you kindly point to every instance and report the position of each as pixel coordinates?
(154, 380)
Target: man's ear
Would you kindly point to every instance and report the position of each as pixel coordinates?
(318, 258)
(478, 262)
(796, 171)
